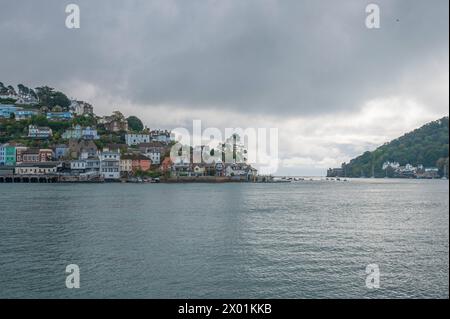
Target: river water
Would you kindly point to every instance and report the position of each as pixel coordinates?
(311, 239)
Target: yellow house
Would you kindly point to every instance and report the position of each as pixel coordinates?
(126, 165)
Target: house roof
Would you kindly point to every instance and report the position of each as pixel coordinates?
(134, 157)
(31, 151)
(40, 165)
(152, 144)
(116, 146)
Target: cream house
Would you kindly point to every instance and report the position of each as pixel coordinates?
(37, 168)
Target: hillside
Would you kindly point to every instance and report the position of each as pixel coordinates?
(427, 145)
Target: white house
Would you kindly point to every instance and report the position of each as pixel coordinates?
(181, 166)
(110, 165)
(135, 139)
(161, 136)
(394, 165)
(37, 168)
(92, 164)
(81, 108)
(241, 170)
(78, 165)
(39, 132)
(78, 132)
(155, 156)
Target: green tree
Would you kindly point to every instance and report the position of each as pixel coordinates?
(425, 145)
(40, 120)
(49, 97)
(135, 124)
(23, 89)
(11, 89)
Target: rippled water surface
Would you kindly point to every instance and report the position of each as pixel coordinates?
(310, 239)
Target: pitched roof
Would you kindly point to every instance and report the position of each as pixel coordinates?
(134, 157)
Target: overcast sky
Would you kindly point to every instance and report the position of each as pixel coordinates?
(312, 69)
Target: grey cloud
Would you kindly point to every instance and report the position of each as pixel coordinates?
(276, 57)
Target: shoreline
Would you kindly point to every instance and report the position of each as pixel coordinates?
(58, 179)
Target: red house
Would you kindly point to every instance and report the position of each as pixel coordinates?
(140, 162)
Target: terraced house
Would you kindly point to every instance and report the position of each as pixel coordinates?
(135, 139)
(130, 163)
(110, 165)
(7, 155)
(39, 132)
(78, 132)
(37, 168)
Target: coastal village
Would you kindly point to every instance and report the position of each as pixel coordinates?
(395, 170)
(43, 141)
(419, 154)
(47, 137)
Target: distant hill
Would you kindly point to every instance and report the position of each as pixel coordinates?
(427, 145)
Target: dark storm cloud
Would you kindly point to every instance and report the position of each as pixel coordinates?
(275, 57)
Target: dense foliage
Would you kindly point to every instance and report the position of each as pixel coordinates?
(427, 145)
(135, 124)
(51, 98)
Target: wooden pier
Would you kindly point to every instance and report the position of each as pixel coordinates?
(29, 179)
(49, 179)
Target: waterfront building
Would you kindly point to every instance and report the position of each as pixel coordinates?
(181, 167)
(166, 165)
(110, 165)
(140, 163)
(241, 171)
(89, 165)
(39, 132)
(407, 171)
(78, 165)
(199, 170)
(19, 151)
(388, 164)
(135, 139)
(7, 155)
(428, 173)
(92, 164)
(126, 164)
(130, 163)
(30, 155)
(35, 155)
(37, 168)
(220, 168)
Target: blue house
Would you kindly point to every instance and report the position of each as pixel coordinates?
(61, 151)
(24, 114)
(6, 110)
